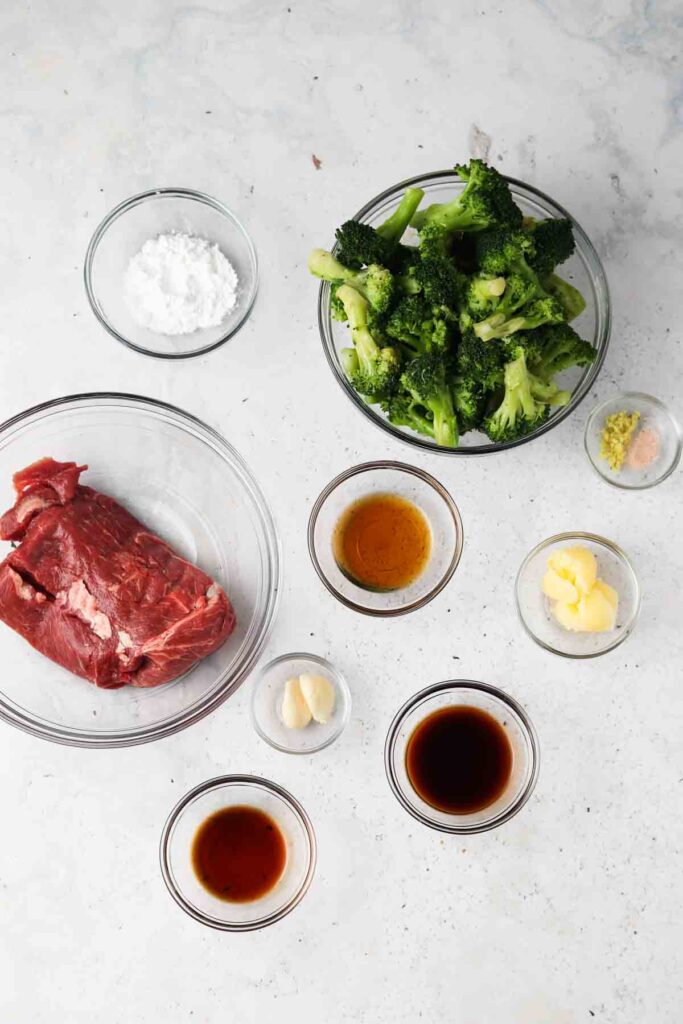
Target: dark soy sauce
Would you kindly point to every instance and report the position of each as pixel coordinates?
(239, 854)
(459, 759)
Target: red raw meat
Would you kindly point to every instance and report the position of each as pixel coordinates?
(94, 590)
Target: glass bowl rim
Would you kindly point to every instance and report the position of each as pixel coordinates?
(640, 396)
(449, 685)
(340, 681)
(597, 272)
(219, 782)
(120, 738)
(401, 467)
(620, 554)
(123, 207)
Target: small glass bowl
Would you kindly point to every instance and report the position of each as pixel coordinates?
(122, 234)
(654, 415)
(266, 705)
(506, 711)
(386, 478)
(535, 609)
(176, 848)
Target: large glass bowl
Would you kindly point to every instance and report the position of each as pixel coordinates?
(185, 482)
(584, 270)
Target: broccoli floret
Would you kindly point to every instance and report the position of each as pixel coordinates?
(479, 296)
(426, 381)
(485, 202)
(553, 244)
(420, 326)
(360, 244)
(372, 370)
(519, 412)
(375, 283)
(436, 278)
(503, 252)
(403, 411)
(394, 227)
(569, 297)
(529, 341)
(524, 304)
(534, 314)
(469, 401)
(557, 348)
(478, 361)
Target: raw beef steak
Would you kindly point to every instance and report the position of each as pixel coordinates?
(93, 589)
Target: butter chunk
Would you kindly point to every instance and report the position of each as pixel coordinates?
(576, 564)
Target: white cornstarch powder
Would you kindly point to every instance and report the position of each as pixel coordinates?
(178, 283)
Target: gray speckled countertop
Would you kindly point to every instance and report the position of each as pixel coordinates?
(569, 913)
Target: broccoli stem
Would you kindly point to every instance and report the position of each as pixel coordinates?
(569, 297)
(394, 227)
(323, 264)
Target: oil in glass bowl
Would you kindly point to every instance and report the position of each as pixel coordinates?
(382, 542)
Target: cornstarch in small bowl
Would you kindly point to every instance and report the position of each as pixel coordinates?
(179, 283)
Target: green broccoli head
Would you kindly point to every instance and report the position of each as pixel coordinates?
(373, 370)
(419, 325)
(375, 283)
(504, 251)
(528, 341)
(485, 202)
(553, 244)
(436, 277)
(403, 411)
(525, 304)
(558, 347)
(480, 294)
(360, 244)
(478, 361)
(519, 412)
(469, 402)
(425, 378)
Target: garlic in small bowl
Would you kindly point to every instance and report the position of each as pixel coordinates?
(300, 703)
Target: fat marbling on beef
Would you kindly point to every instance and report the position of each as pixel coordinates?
(96, 591)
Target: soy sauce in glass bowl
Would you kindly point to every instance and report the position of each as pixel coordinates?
(462, 756)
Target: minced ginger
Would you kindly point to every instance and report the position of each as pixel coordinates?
(617, 434)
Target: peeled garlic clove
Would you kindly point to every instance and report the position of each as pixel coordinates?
(318, 692)
(295, 711)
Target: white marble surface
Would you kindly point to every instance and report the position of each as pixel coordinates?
(572, 911)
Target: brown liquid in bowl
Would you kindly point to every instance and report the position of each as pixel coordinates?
(239, 854)
(382, 542)
(459, 759)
